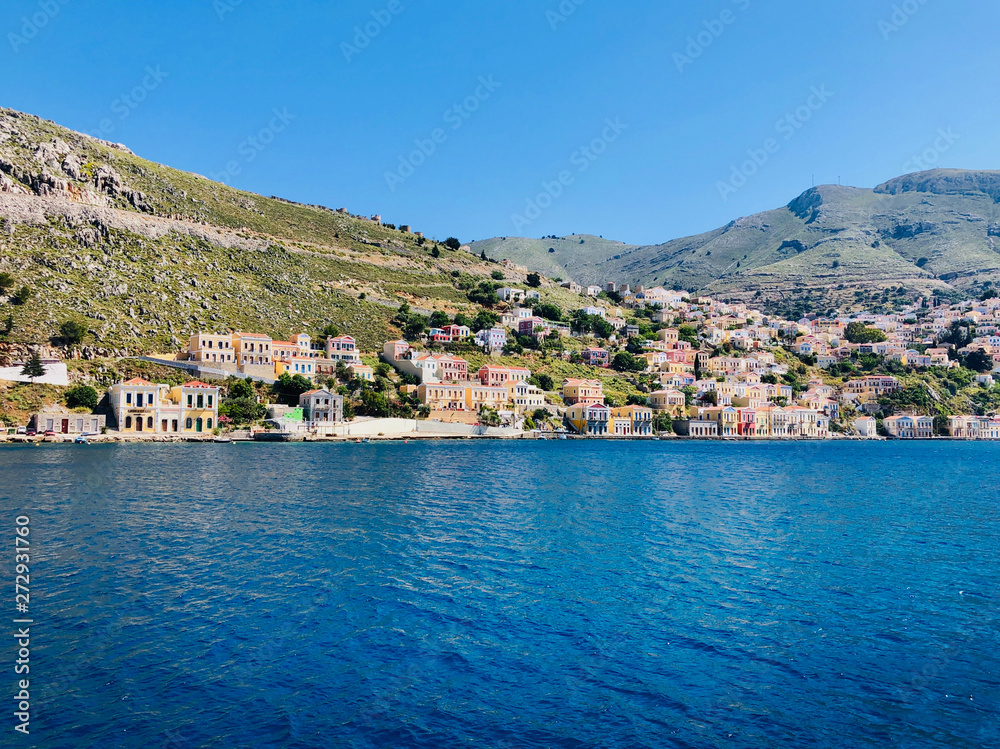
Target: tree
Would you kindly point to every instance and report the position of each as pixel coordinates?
(331, 331)
(436, 252)
(243, 410)
(288, 388)
(484, 320)
(979, 361)
(858, 332)
(33, 368)
(637, 399)
(662, 422)
(439, 319)
(549, 311)
(542, 382)
(626, 362)
(497, 275)
(534, 280)
(415, 325)
(22, 295)
(82, 396)
(72, 332)
(687, 333)
(453, 244)
(375, 404)
(241, 389)
(6, 282)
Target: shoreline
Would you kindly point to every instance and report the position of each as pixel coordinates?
(116, 439)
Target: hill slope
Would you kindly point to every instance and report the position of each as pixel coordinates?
(145, 255)
(832, 246)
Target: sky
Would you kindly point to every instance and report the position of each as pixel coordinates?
(635, 121)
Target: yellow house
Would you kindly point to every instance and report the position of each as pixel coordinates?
(198, 404)
(582, 391)
(670, 401)
(361, 371)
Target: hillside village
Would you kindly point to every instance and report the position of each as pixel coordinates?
(622, 363)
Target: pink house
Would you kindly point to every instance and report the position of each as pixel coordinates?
(493, 376)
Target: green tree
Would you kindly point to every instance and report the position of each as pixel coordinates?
(6, 282)
(663, 422)
(623, 362)
(241, 389)
(542, 382)
(858, 332)
(688, 333)
(22, 295)
(330, 331)
(288, 388)
(375, 404)
(534, 280)
(453, 244)
(497, 275)
(33, 368)
(548, 311)
(82, 396)
(436, 252)
(72, 332)
(243, 410)
(484, 320)
(979, 361)
(439, 319)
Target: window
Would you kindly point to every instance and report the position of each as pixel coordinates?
(201, 400)
(210, 401)
(163, 425)
(190, 400)
(128, 422)
(188, 423)
(128, 399)
(149, 422)
(208, 423)
(138, 400)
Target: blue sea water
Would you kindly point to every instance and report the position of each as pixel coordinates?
(494, 594)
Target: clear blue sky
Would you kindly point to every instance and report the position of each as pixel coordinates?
(555, 79)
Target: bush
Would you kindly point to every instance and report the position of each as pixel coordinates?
(6, 282)
(22, 295)
(534, 280)
(497, 275)
(72, 332)
(452, 244)
(82, 396)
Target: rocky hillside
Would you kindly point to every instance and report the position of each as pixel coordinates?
(144, 255)
(932, 232)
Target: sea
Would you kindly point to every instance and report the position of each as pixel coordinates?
(505, 594)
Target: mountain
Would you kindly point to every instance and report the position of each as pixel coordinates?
(931, 232)
(144, 255)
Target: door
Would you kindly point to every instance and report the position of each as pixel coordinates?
(65, 426)
(197, 425)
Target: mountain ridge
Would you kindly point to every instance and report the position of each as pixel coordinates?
(925, 233)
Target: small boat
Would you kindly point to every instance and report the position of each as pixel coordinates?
(80, 440)
(562, 436)
(366, 440)
(223, 440)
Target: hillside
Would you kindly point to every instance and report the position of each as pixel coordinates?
(144, 255)
(555, 257)
(932, 232)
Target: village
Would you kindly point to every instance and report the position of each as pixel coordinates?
(695, 367)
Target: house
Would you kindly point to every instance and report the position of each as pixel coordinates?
(393, 351)
(499, 376)
(63, 421)
(596, 357)
(726, 419)
(321, 407)
(669, 401)
(573, 287)
(594, 311)
(492, 339)
(457, 332)
(213, 349)
(589, 418)
(508, 294)
(593, 291)
(866, 426)
(253, 354)
(360, 371)
(342, 348)
(632, 421)
(525, 397)
(697, 428)
(461, 396)
(906, 426)
(576, 391)
(141, 406)
(296, 365)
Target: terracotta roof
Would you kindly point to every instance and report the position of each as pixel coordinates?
(197, 384)
(137, 381)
